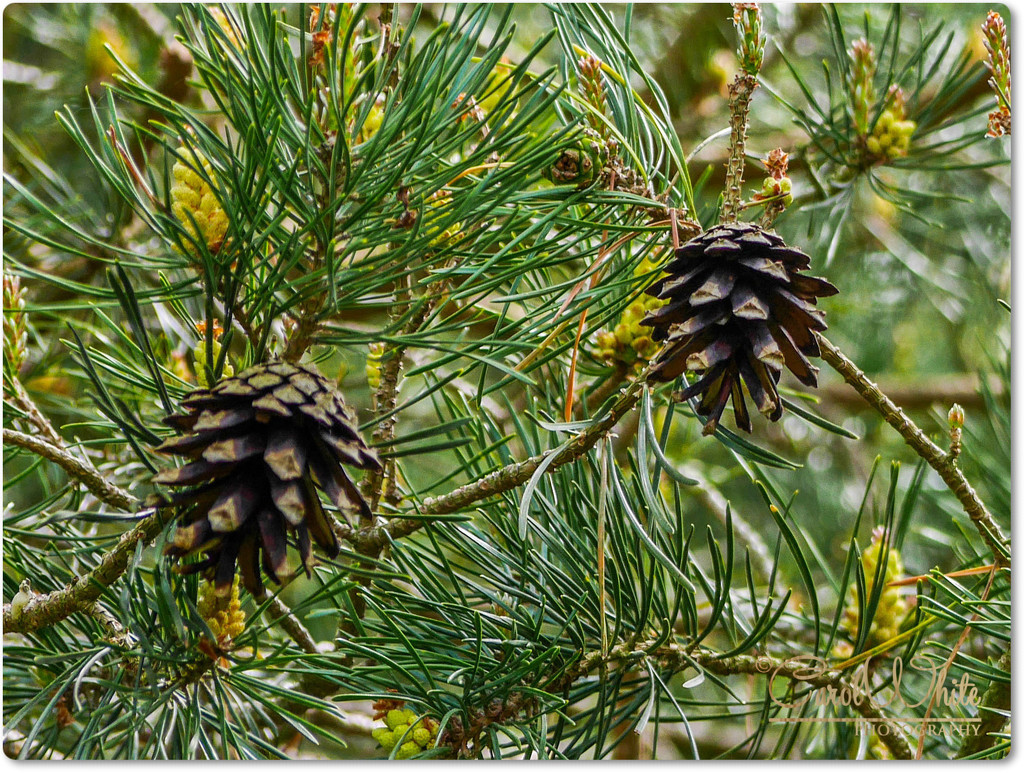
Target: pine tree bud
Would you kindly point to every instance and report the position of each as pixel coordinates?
(890, 138)
(956, 417)
(15, 323)
(199, 359)
(998, 63)
(194, 200)
(776, 163)
(861, 82)
(629, 343)
(226, 621)
(591, 87)
(373, 359)
(575, 165)
(747, 19)
(892, 607)
(21, 599)
(400, 725)
(956, 430)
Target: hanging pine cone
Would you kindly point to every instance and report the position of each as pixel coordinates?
(260, 445)
(737, 309)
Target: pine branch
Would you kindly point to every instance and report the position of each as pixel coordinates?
(302, 336)
(936, 458)
(505, 479)
(292, 625)
(674, 657)
(80, 595)
(385, 401)
(35, 416)
(82, 471)
(741, 90)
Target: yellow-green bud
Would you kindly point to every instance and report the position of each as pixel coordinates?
(373, 365)
(199, 355)
(956, 417)
(629, 342)
(892, 607)
(395, 718)
(403, 728)
(21, 599)
(407, 750)
(15, 323)
(225, 623)
(386, 738)
(904, 128)
(194, 200)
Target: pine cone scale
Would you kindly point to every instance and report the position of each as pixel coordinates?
(716, 288)
(285, 454)
(221, 420)
(193, 473)
(233, 450)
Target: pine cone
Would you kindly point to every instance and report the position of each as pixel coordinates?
(260, 445)
(737, 309)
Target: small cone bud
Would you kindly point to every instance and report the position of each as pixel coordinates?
(956, 417)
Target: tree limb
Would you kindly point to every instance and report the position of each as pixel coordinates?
(674, 656)
(80, 595)
(284, 617)
(740, 92)
(507, 478)
(82, 471)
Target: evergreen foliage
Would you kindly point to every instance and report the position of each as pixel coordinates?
(452, 213)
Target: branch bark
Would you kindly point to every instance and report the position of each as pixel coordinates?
(505, 479)
(82, 471)
(741, 90)
(284, 617)
(674, 656)
(80, 595)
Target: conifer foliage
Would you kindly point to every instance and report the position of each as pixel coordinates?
(368, 371)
